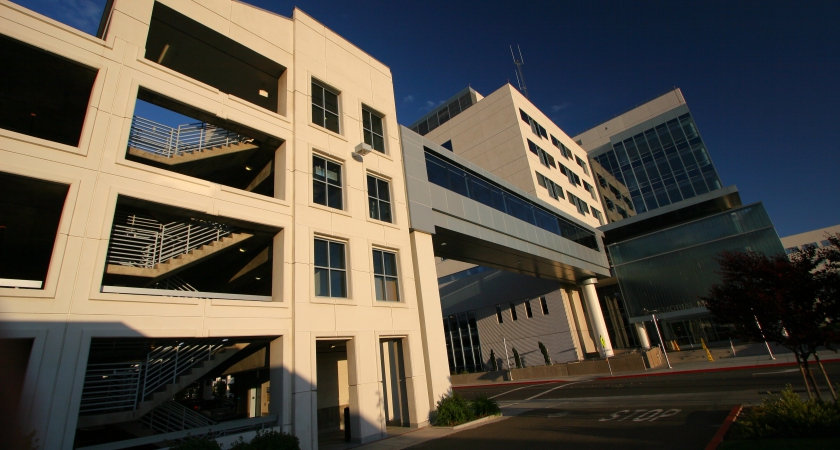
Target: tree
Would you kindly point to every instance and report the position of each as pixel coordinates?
(517, 359)
(793, 301)
(544, 353)
(493, 361)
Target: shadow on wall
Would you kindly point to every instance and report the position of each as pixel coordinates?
(55, 375)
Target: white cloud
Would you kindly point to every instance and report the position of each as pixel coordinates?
(408, 98)
(556, 108)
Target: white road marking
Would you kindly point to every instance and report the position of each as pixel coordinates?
(512, 390)
(555, 388)
(774, 373)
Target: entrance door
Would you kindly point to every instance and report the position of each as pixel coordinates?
(393, 383)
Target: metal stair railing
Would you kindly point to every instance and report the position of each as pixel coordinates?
(172, 416)
(144, 242)
(122, 386)
(164, 364)
(167, 141)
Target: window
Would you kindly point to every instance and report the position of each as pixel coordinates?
(563, 149)
(499, 314)
(535, 127)
(598, 216)
(528, 311)
(326, 183)
(609, 203)
(581, 205)
(573, 178)
(602, 181)
(385, 276)
(374, 134)
(324, 107)
(825, 243)
(545, 159)
(379, 199)
(615, 191)
(544, 306)
(330, 269)
(621, 211)
(582, 164)
(591, 190)
(553, 189)
(513, 311)
(790, 250)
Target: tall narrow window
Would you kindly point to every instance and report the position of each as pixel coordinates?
(330, 269)
(499, 314)
(528, 311)
(324, 107)
(513, 311)
(598, 216)
(385, 276)
(544, 306)
(326, 183)
(379, 199)
(373, 131)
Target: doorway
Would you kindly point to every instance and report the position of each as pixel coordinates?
(395, 395)
(333, 388)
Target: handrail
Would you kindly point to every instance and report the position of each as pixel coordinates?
(169, 142)
(173, 416)
(138, 241)
(218, 430)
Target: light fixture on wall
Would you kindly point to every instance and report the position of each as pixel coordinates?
(362, 150)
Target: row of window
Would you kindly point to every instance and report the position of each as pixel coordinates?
(535, 127)
(443, 114)
(563, 149)
(331, 272)
(456, 179)
(327, 189)
(662, 165)
(613, 207)
(528, 311)
(325, 113)
(796, 248)
(463, 347)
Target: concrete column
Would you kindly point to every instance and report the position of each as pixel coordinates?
(641, 331)
(596, 317)
(431, 318)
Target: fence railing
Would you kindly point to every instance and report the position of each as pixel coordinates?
(122, 386)
(172, 416)
(167, 141)
(144, 242)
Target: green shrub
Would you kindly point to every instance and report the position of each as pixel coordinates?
(197, 443)
(483, 406)
(788, 416)
(273, 440)
(453, 410)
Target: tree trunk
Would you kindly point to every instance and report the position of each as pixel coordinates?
(825, 374)
(811, 376)
(804, 377)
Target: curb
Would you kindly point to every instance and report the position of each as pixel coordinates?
(474, 422)
(713, 369)
(724, 427)
(509, 383)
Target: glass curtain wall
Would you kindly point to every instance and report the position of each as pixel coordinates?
(662, 165)
(462, 343)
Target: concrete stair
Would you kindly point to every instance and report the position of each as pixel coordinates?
(181, 382)
(180, 262)
(193, 156)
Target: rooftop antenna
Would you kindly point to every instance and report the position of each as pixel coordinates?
(520, 77)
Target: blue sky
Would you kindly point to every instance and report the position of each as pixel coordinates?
(762, 78)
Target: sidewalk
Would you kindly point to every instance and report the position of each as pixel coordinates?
(419, 436)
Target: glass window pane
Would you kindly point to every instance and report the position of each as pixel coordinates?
(390, 263)
(384, 192)
(376, 121)
(365, 119)
(317, 95)
(368, 137)
(319, 192)
(458, 181)
(317, 115)
(378, 143)
(333, 173)
(385, 211)
(330, 102)
(377, 263)
(371, 185)
(373, 207)
(338, 283)
(392, 290)
(480, 191)
(437, 173)
(319, 171)
(331, 122)
(334, 199)
(322, 288)
(321, 253)
(379, 286)
(336, 255)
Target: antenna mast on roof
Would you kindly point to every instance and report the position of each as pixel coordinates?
(520, 77)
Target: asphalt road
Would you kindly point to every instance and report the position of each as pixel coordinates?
(671, 411)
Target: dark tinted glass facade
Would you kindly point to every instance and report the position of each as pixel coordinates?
(662, 165)
(462, 345)
(670, 269)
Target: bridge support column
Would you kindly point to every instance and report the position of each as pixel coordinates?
(596, 317)
(641, 331)
(431, 318)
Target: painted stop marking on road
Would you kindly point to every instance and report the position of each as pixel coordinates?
(640, 415)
